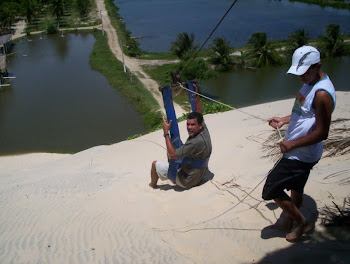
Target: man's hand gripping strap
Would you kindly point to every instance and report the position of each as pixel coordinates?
(174, 130)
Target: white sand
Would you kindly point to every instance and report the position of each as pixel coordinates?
(96, 206)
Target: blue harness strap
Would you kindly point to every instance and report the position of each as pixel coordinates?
(174, 130)
(192, 96)
(196, 163)
(174, 164)
(171, 115)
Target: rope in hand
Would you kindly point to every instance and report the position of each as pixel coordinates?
(231, 107)
(231, 208)
(279, 133)
(221, 214)
(212, 32)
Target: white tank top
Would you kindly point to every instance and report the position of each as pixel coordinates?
(303, 120)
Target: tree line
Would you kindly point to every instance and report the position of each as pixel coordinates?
(13, 10)
(341, 4)
(259, 51)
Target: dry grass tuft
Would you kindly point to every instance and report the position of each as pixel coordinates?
(337, 144)
(334, 216)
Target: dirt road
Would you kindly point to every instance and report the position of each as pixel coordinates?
(132, 65)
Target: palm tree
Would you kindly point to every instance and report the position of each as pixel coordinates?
(184, 43)
(299, 38)
(197, 68)
(220, 54)
(8, 13)
(333, 43)
(263, 51)
(57, 8)
(133, 47)
(240, 61)
(29, 9)
(83, 7)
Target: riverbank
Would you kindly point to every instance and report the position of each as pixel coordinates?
(340, 4)
(21, 25)
(131, 66)
(96, 206)
(102, 60)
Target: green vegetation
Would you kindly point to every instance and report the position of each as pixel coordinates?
(191, 65)
(333, 43)
(134, 136)
(220, 54)
(161, 73)
(83, 7)
(157, 56)
(129, 45)
(262, 51)
(196, 68)
(299, 38)
(211, 108)
(183, 45)
(41, 14)
(208, 108)
(259, 51)
(56, 8)
(340, 4)
(102, 60)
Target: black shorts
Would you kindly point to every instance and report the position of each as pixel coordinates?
(287, 174)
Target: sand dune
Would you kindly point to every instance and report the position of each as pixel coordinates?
(96, 206)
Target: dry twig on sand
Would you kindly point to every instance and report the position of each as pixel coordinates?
(337, 144)
(271, 147)
(334, 216)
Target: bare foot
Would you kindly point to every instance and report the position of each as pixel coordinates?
(154, 186)
(284, 224)
(298, 231)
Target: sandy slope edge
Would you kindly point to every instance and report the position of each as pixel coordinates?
(96, 207)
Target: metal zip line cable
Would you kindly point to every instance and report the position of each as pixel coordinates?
(231, 107)
(217, 25)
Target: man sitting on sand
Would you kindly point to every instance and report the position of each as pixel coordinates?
(197, 147)
(302, 148)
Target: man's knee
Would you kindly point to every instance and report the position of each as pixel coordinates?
(154, 164)
(153, 167)
(269, 194)
(297, 198)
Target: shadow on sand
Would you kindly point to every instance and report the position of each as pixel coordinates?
(330, 245)
(207, 177)
(308, 209)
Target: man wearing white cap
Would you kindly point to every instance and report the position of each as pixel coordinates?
(302, 147)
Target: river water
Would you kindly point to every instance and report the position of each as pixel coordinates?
(57, 103)
(159, 21)
(244, 87)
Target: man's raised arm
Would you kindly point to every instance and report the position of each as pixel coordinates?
(169, 146)
(199, 106)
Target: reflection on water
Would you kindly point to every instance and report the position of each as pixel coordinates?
(243, 88)
(161, 20)
(57, 103)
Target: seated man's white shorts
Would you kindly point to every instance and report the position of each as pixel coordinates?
(162, 169)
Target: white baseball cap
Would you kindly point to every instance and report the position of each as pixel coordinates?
(303, 58)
